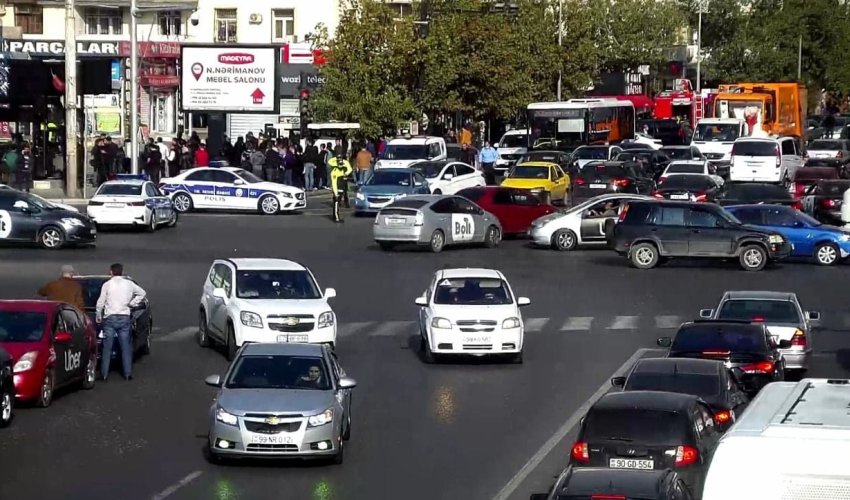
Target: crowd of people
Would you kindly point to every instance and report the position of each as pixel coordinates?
(18, 166)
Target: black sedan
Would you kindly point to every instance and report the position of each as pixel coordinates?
(601, 177)
(655, 162)
(823, 201)
(29, 219)
(603, 483)
(142, 316)
(709, 379)
(751, 193)
(747, 348)
(7, 389)
(687, 187)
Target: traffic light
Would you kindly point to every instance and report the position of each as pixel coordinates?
(305, 111)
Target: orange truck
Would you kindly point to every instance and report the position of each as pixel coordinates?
(777, 109)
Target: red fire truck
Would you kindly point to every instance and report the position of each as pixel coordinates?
(680, 102)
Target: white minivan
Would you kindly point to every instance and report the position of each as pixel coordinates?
(765, 160)
(792, 442)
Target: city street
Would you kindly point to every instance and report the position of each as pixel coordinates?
(469, 429)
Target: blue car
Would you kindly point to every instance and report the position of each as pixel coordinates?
(387, 185)
(810, 238)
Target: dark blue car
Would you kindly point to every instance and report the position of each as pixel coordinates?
(810, 238)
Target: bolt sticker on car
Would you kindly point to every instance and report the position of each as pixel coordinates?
(463, 227)
(5, 224)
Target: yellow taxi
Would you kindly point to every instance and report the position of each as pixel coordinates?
(540, 176)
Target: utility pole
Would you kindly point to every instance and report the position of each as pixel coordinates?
(134, 90)
(699, 49)
(560, 43)
(71, 100)
(800, 60)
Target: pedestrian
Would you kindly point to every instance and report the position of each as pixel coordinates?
(467, 155)
(96, 161)
(340, 151)
(153, 163)
(272, 163)
(364, 164)
(109, 152)
(65, 289)
(118, 297)
(202, 157)
(340, 169)
(322, 167)
(311, 159)
(25, 174)
(163, 148)
(172, 159)
(288, 165)
(488, 157)
(12, 159)
(257, 159)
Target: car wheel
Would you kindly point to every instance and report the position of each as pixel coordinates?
(564, 240)
(45, 394)
(231, 343)
(492, 237)
(51, 238)
(173, 220)
(437, 191)
(644, 256)
(340, 454)
(438, 241)
(753, 258)
(269, 205)
(91, 372)
(203, 339)
(427, 354)
(151, 227)
(826, 254)
(386, 245)
(182, 202)
(7, 404)
(146, 349)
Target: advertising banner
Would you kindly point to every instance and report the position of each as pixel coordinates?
(239, 79)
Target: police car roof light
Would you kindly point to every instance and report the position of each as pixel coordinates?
(128, 177)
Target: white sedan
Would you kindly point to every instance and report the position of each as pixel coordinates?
(230, 188)
(131, 202)
(449, 177)
(470, 312)
(692, 167)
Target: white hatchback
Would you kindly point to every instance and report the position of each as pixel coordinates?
(470, 312)
(449, 177)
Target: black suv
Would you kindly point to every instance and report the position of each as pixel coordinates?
(648, 231)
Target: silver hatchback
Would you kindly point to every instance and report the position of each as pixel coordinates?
(281, 400)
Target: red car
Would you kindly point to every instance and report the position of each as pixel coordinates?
(807, 177)
(515, 208)
(52, 345)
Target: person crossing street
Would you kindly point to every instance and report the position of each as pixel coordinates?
(117, 298)
(340, 170)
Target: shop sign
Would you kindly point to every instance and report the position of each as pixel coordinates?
(238, 79)
(47, 48)
(162, 50)
(296, 77)
(160, 80)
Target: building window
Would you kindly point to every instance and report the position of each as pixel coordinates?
(283, 26)
(225, 25)
(170, 23)
(101, 21)
(30, 19)
(400, 9)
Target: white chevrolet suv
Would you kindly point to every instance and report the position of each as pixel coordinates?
(264, 300)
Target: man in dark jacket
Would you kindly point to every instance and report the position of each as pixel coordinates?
(153, 163)
(65, 289)
(273, 162)
(311, 159)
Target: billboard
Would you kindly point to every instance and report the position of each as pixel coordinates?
(235, 79)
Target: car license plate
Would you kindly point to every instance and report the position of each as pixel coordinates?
(598, 186)
(391, 220)
(630, 463)
(476, 340)
(293, 338)
(678, 197)
(263, 439)
(113, 205)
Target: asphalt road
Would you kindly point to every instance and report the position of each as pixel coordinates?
(463, 430)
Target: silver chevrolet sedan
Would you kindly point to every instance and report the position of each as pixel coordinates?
(435, 221)
(281, 400)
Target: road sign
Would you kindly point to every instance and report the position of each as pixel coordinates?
(235, 79)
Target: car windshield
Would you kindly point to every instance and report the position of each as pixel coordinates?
(41, 202)
(247, 176)
(472, 291)
(815, 174)
(601, 170)
(825, 145)
(278, 372)
(685, 168)
(756, 192)
(385, 178)
(523, 172)
(591, 153)
(720, 132)
(689, 181)
(684, 383)
(428, 169)
(755, 148)
(720, 338)
(120, 189)
(678, 153)
(514, 141)
(276, 284)
(405, 152)
(767, 311)
(639, 426)
(18, 326)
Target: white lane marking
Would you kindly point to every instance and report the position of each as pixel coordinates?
(624, 323)
(576, 323)
(349, 329)
(177, 335)
(535, 324)
(565, 429)
(664, 322)
(176, 486)
(390, 328)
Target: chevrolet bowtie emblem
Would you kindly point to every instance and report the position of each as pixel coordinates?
(290, 321)
(272, 420)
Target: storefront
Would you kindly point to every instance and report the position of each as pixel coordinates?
(159, 83)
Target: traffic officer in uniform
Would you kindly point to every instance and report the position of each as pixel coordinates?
(340, 169)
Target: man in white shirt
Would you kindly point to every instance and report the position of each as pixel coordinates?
(117, 298)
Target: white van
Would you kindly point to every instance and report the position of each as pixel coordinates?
(714, 137)
(402, 151)
(511, 147)
(765, 160)
(793, 442)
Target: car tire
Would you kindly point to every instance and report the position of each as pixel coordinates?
(182, 203)
(7, 408)
(753, 258)
(231, 346)
(427, 355)
(51, 238)
(173, 220)
(644, 256)
(268, 205)
(45, 392)
(386, 245)
(339, 456)
(146, 348)
(90, 374)
(437, 191)
(564, 240)
(151, 226)
(203, 336)
(827, 254)
(492, 237)
(437, 241)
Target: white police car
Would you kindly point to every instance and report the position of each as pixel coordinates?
(131, 202)
(230, 188)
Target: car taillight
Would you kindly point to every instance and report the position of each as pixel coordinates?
(580, 182)
(778, 157)
(828, 203)
(757, 319)
(686, 455)
(760, 367)
(799, 338)
(712, 354)
(622, 182)
(580, 452)
(658, 195)
(723, 416)
(622, 216)
(95, 203)
(662, 179)
(701, 197)
(797, 205)
(136, 204)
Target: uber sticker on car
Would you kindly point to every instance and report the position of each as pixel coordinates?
(5, 224)
(463, 227)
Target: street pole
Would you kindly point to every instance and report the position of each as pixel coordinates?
(560, 43)
(71, 99)
(699, 50)
(800, 60)
(134, 91)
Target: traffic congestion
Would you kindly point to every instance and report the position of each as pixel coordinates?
(562, 222)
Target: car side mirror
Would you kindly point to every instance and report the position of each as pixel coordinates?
(813, 315)
(219, 293)
(664, 342)
(618, 381)
(213, 381)
(421, 301)
(448, 177)
(347, 383)
(62, 336)
(706, 313)
(798, 224)
(238, 182)
(330, 293)
(523, 301)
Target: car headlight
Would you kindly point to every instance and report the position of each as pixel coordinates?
(26, 362)
(323, 418)
(251, 319)
(844, 237)
(224, 417)
(326, 319)
(70, 222)
(441, 323)
(775, 238)
(285, 194)
(510, 323)
(360, 196)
